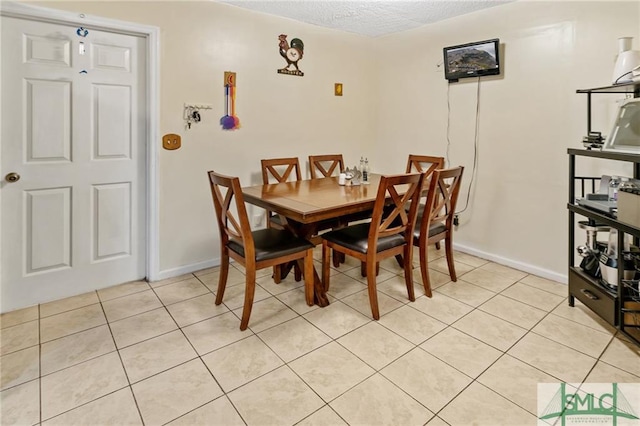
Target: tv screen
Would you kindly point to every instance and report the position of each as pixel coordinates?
(472, 59)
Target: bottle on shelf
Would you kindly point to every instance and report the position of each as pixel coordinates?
(365, 172)
(614, 184)
(361, 164)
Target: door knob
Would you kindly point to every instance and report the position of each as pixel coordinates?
(12, 177)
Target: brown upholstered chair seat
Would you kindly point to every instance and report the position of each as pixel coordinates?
(434, 229)
(272, 243)
(355, 237)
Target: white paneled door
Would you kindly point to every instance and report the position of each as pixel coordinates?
(73, 160)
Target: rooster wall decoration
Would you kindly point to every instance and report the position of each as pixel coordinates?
(291, 53)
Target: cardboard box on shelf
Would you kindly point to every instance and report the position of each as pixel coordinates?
(629, 208)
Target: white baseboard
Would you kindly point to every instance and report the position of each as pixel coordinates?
(187, 269)
(521, 266)
(525, 267)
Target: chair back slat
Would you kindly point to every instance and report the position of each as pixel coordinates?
(232, 225)
(280, 169)
(442, 197)
(395, 208)
(326, 165)
(424, 164)
(233, 228)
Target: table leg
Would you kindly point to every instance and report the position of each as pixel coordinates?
(319, 296)
(307, 231)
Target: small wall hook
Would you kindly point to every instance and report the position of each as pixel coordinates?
(192, 113)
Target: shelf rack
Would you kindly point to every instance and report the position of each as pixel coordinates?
(620, 308)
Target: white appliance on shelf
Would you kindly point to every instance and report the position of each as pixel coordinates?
(625, 134)
(626, 62)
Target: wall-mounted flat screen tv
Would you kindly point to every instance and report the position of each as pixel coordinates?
(472, 59)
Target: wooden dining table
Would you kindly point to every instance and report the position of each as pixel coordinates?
(310, 206)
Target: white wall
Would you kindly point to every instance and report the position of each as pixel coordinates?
(281, 116)
(395, 103)
(528, 117)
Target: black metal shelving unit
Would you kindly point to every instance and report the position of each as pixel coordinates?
(611, 305)
(620, 308)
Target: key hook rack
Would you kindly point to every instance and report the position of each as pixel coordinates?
(192, 114)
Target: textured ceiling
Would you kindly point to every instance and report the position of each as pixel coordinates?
(367, 17)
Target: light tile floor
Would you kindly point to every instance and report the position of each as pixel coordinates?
(162, 352)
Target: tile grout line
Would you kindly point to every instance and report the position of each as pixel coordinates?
(115, 345)
(199, 356)
(475, 380)
(376, 371)
(530, 330)
(285, 364)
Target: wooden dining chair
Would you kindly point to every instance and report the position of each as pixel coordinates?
(424, 164)
(436, 223)
(278, 170)
(389, 233)
(253, 249)
(327, 165)
(321, 166)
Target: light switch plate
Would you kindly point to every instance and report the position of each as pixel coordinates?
(171, 141)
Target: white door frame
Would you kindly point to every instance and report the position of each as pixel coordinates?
(151, 34)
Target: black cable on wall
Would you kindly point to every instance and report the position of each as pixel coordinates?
(476, 140)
